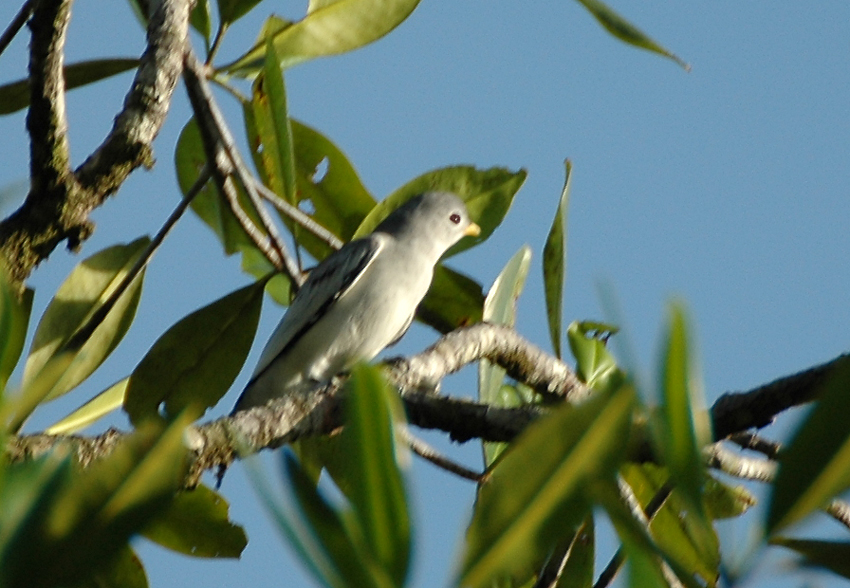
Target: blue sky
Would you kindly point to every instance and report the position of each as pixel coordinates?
(725, 187)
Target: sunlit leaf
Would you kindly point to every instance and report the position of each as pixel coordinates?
(832, 555)
(196, 523)
(500, 309)
(194, 363)
(554, 264)
(328, 180)
(521, 511)
(110, 399)
(16, 95)
(271, 118)
(488, 195)
(684, 430)
(15, 412)
(626, 31)
(85, 290)
(815, 466)
(377, 488)
(595, 365)
(332, 29)
(644, 567)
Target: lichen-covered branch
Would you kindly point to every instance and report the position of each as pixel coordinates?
(60, 200)
(216, 444)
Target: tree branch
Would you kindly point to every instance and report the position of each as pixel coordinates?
(216, 444)
(59, 202)
(16, 25)
(738, 411)
(226, 162)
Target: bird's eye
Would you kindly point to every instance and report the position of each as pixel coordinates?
(455, 218)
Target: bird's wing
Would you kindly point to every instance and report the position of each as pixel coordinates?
(325, 284)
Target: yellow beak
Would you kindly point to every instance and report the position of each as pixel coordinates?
(472, 230)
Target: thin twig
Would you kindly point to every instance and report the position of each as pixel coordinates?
(754, 442)
(15, 26)
(83, 333)
(425, 451)
(219, 141)
(644, 516)
(296, 215)
(764, 470)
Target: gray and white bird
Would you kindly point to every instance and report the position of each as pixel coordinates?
(360, 299)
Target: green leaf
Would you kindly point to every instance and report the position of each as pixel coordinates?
(522, 511)
(340, 562)
(725, 502)
(81, 525)
(500, 309)
(215, 212)
(674, 523)
(230, 11)
(832, 555)
(278, 286)
(330, 30)
(644, 567)
(126, 571)
(196, 523)
(488, 195)
(85, 290)
(14, 413)
(682, 436)
(595, 365)
(376, 485)
(327, 179)
(578, 569)
(283, 516)
(554, 264)
(453, 300)
(110, 399)
(633, 533)
(16, 95)
(194, 363)
(684, 430)
(815, 466)
(200, 19)
(27, 490)
(14, 319)
(208, 204)
(626, 31)
(272, 123)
